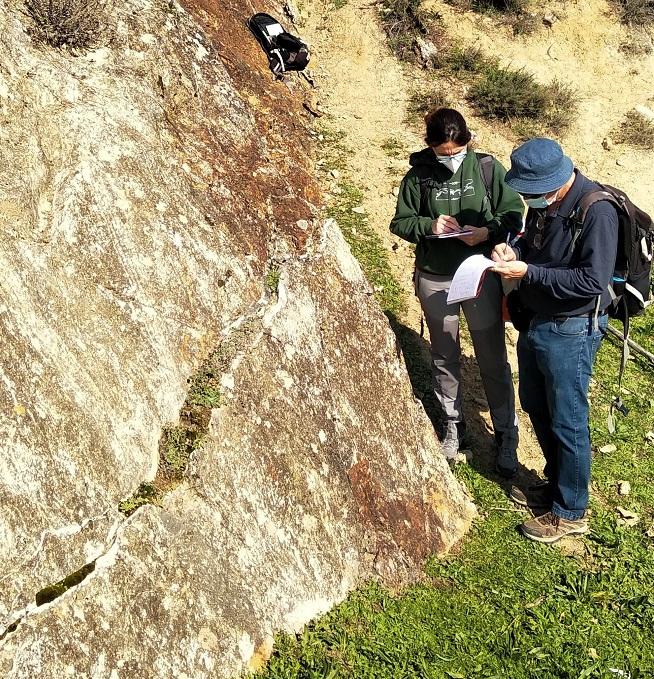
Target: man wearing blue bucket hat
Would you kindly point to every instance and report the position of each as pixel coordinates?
(563, 273)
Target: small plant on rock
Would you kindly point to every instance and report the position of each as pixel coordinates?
(74, 24)
(272, 279)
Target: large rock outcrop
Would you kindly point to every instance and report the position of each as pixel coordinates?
(145, 193)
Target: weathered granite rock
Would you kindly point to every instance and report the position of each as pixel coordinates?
(319, 471)
(144, 192)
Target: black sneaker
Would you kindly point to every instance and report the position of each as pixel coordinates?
(506, 462)
(536, 496)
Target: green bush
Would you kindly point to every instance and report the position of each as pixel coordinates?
(514, 95)
(464, 62)
(505, 93)
(492, 6)
(75, 24)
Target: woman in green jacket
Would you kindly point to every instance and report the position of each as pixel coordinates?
(446, 192)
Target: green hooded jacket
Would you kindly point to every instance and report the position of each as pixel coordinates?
(461, 195)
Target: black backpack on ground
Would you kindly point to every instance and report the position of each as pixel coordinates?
(631, 285)
(285, 51)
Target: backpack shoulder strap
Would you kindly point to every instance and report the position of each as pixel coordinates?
(580, 210)
(487, 169)
(589, 199)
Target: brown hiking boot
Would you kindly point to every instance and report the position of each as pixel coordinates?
(535, 497)
(550, 528)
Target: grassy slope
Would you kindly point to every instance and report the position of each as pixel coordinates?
(504, 606)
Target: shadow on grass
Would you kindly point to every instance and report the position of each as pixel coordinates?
(416, 352)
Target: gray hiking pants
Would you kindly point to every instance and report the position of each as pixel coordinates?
(484, 318)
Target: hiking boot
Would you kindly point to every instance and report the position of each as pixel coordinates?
(550, 528)
(450, 442)
(506, 462)
(536, 496)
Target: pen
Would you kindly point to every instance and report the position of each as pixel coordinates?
(506, 244)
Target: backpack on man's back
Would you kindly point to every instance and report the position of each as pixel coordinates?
(630, 288)
(631, 285)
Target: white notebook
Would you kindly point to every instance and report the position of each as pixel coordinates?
(468, 278)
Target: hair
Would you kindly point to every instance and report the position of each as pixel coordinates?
(446, 124)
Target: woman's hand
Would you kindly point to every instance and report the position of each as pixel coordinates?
(479, 235)
(445, 224)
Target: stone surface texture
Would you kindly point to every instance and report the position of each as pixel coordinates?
(146, 188)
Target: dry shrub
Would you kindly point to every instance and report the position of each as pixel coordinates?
(422, 102)
(75, 24)
(635, 12)
(525, 23)
(468, 62)
(404, 22)
(638, 44)
(635, 130)
(560, 107)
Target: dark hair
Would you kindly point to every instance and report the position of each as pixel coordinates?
(446, 124)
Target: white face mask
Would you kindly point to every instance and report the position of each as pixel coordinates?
(542, 202)
(453, 163)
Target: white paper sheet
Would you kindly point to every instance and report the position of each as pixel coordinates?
(468, 278)
(450, 235)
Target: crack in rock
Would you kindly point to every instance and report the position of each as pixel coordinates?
(49, 594)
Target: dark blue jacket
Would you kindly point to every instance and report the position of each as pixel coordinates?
(562, 280)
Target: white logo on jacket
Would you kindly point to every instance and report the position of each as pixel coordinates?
(452, 190)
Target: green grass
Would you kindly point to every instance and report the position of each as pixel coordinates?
(364, 243)
(178, 442)
(505, 607)
(393, 148)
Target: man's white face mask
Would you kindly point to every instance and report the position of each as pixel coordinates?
(453, 162)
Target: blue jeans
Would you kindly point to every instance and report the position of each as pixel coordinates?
(555, 361)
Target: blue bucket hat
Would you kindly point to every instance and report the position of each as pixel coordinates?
(538, 166)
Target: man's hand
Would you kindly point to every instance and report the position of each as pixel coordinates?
(445, 224)
(479, 235)
(514, 270)
(503, 253)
